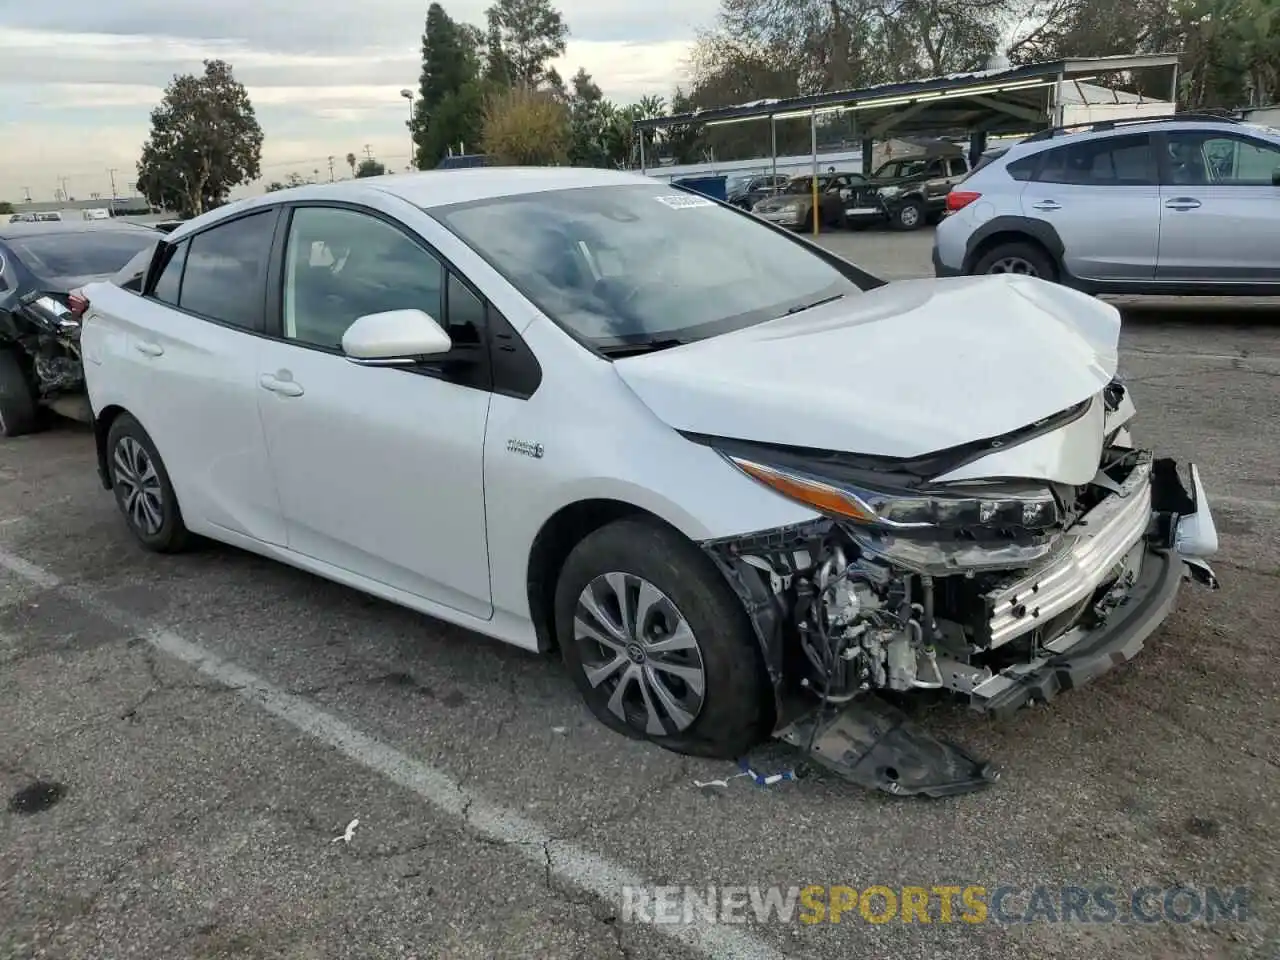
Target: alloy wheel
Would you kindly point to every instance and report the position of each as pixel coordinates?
(138, 486)
(636, 645)
(1014, 265)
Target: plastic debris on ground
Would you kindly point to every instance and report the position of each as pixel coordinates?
(348, 833)
(747, 770)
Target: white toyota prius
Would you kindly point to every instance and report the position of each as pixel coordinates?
(745, 488)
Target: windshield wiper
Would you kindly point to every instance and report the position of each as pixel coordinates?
(646, 346)
(816, 303)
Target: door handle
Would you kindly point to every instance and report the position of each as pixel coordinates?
(286, 388)
(1047, 205)
(150, 349)
(1182, 203)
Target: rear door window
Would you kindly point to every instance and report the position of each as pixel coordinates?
(226, 271)
(1107, 162)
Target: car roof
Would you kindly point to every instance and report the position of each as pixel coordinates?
(427, 189)
(1138, 125)
(15, 231)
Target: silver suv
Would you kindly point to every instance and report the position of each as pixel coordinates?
(1184, 206)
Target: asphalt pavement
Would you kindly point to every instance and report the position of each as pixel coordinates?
(185, 742)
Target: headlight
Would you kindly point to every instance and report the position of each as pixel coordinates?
(971, 507)
(890, 191)
(939, 532)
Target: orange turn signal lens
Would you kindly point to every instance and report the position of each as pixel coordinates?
(822, 497)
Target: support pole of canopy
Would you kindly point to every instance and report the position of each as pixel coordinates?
(813, 142)
(773, 144)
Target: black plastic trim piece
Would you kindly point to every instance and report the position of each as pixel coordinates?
(1037, 230)
(907, 473)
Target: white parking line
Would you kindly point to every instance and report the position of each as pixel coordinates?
(571, 863)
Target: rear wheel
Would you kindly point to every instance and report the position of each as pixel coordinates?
(142, 488)
(1025, 259)
(657, 643)
(18, 411)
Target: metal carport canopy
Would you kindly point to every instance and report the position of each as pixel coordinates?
(1010, 100)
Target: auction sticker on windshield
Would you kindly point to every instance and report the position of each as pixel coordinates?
(681, 201)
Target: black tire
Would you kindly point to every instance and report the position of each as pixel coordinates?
(1037, 261)
(18, 411)
(909, 216)
(127, 441)
(729, 720)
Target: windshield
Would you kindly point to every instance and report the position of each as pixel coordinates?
(630, 265)
(80, 254)
(897, 169)
(804, 185)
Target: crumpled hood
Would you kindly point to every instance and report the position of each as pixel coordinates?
(906, 369)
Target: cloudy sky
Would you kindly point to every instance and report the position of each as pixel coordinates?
(80, 77)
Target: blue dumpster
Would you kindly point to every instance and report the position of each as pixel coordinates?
(713, 187)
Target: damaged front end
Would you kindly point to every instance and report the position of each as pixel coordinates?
(1001, 592)
(46, 329)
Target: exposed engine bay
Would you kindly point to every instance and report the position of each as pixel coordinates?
(999, 592)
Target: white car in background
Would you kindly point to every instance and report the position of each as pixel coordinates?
(742, 485)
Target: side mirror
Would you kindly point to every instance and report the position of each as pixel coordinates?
(394, 337)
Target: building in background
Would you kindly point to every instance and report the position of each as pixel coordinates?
(74, 209)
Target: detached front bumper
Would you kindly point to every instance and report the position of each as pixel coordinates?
(1146, 541)
(1086, 655)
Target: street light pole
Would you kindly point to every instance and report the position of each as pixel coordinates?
(413, 144)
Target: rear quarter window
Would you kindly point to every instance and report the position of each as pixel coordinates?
(132, 275)
(1024, 168)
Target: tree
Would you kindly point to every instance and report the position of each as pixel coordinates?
(458, 120)
(526, 127)
(553, 83)
(205, 140)
(531, 33)
(497, 66)
(351, 162)
(370, 168)
(6, 207)
(449, 60)
(450, 109)
(589, 119)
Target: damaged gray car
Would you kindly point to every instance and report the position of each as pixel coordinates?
(42, 265)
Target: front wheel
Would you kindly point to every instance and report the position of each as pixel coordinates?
(909, 216)
(18, 411)
(143, 491)
(657, 643)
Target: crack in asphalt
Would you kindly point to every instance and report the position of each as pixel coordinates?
(513, 704)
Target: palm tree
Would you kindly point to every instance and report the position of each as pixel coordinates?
(351, 162)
